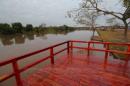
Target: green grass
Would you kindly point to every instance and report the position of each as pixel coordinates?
(114, 36)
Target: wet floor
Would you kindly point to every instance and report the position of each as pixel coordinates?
(81, 70)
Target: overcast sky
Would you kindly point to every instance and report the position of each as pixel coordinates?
(51, 12)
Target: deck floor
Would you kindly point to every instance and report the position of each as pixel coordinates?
(80, 70)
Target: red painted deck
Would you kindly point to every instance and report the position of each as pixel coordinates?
(80, 70)
(75, 70)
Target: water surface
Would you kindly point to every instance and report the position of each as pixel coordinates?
(16, 45)
(21, 44)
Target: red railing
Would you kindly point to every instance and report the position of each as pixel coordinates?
(14, 62)
(17, 71)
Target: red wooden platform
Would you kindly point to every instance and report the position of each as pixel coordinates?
(74, 69)
(80, 70)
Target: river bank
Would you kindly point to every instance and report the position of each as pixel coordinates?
(114, 36)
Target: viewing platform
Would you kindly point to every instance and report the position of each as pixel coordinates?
(75, 69)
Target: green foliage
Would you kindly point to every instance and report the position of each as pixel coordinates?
(29, 27)
(6, 29)
(19, 38)
(65, 27)
(17, 27)
(126, 3)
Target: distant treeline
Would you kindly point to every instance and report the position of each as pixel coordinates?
(19, 28)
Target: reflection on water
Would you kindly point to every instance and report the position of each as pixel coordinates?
(20, 38)
(18, 44)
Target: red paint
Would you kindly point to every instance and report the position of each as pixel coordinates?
(52, 55)
(17, 71)
(68, 47)
(80, 70)
(88, 48)
(70, 44)
(17, 74)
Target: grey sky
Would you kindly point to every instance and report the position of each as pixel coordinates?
(36, 12)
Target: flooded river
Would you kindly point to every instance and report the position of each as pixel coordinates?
(13, 46)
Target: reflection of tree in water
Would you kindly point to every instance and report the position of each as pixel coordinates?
(64, 32)
(19, 39)
(6, 40)
(43, 37)
(29, 35)
(57, 31)
(40, 34)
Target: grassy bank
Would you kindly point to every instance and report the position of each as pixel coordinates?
(114, 36)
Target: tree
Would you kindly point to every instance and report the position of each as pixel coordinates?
(17, 27)
(126, 3)
(29, 27)
(85, 17)
(64, 27)
(6, 29)
(95, 5)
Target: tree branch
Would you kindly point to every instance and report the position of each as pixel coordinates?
(111, 13)
(129, 22)
(95, 7)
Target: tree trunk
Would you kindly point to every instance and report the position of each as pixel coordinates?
(125, 30)
(93, 29)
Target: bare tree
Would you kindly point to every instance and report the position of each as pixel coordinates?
(95, 5)
(85, 17)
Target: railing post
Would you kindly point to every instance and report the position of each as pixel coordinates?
(71, 46)
(106, 53)
(17, 74)
(68, 47)
(128, 50)
(127, 57)
(88, 48)
(104, 45)
(52, 55)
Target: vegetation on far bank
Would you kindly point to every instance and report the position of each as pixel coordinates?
(16, 33)
(114, 36)
(17, 27)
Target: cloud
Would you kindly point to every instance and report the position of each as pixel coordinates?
(52, 12)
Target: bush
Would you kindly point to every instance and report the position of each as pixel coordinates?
(17, 27)
(6, 29)
(29, 27)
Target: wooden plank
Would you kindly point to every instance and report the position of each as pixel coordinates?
(81, 70)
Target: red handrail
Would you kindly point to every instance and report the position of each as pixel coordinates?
(29, 54)
(104, 43)
(104, 50)
(17, 71)
(96, 42)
